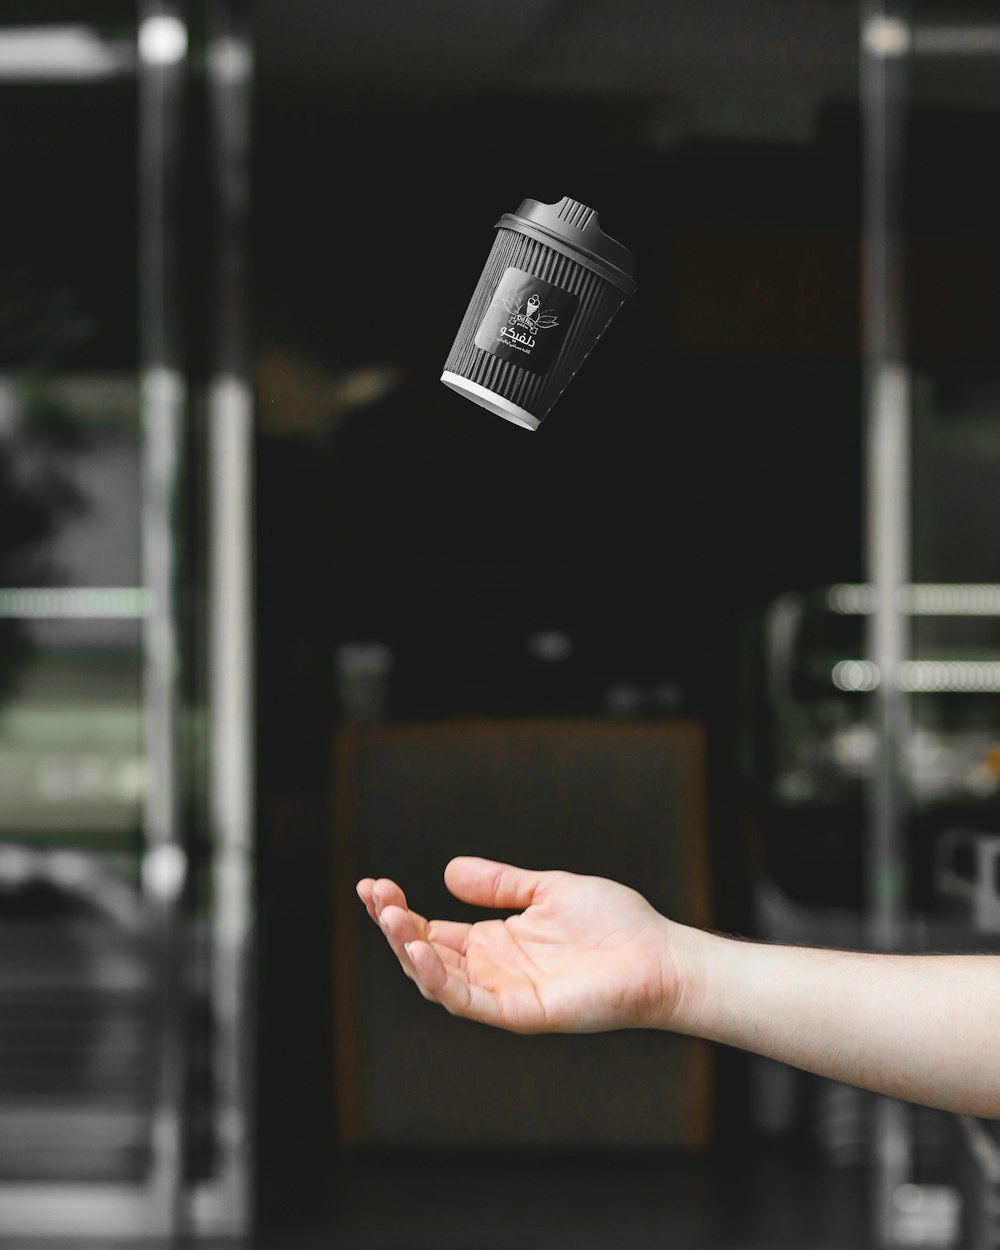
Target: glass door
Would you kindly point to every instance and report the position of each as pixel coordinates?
(125, 609)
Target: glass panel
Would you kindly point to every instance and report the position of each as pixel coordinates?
(78, 1048)
(116, 988)
(953, 271)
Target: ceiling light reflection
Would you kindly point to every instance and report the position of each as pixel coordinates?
(60, 53)
(163, 40)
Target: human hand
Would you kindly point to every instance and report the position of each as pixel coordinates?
(583, 955)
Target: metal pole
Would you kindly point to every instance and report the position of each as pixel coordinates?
(162, 46)
(885, 43)
(225, 1206)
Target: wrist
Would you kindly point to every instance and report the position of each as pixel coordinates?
(687, 959)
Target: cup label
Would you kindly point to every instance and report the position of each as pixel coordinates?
(526, 321)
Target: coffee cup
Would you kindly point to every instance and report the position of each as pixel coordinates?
(550, 287)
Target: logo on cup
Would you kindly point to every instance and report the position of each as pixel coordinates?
(523, 306)
(530, 318)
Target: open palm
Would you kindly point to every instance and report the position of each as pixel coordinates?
(583, 954)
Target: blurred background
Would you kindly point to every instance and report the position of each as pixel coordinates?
(278, 610)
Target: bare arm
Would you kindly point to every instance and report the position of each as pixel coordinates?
(920, 1027)
(586, 954)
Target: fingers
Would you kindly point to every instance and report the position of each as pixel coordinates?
(428, 965)
(402, 927)
(386, 905)
(449, 933)
(364, 889)
(374, 893)
(385, 902)
(482, 882)
(448, 984)
(432, 954)
(399, 927)
(487, 883)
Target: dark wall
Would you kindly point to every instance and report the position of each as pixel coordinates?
(707, 457)
(700, 462)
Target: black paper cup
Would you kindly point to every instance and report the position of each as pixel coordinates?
(551, 285)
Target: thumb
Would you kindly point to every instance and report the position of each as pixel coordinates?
(487, 883)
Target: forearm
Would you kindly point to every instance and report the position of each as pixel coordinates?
(925, 1028)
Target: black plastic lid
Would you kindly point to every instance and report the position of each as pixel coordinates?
(575, 229)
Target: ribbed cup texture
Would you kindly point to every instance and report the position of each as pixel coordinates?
(599, 301)
(575, 214)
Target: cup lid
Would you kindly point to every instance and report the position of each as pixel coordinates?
(570, 222)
